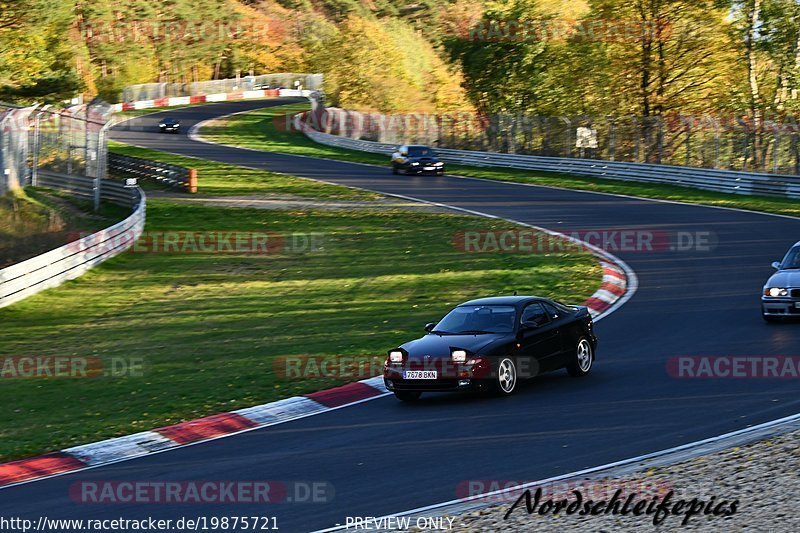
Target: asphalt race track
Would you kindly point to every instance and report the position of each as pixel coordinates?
(383, 456)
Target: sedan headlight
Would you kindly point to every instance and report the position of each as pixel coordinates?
(459, 356)
(162, 125)
(776, 291)
(396, 356)
(414, 164)
(439, 164)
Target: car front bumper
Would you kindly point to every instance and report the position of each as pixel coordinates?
(780, 306)
(449, 377)
(425, 170)
(173, 129)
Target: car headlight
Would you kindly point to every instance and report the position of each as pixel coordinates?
(439, 164)
(776, 291)
(396, 356)
(162, 125)
(414, 164)
(459, 356)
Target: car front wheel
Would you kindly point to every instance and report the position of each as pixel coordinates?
(584, 359)
(506, 380)
(407, 396)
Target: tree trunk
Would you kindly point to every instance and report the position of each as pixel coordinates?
(752, 75)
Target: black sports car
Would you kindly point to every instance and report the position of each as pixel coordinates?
(416, 159)
(492, 343)
(170, 125)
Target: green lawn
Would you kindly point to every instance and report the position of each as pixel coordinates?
(209, 326)
(218, 179)
(257, 129)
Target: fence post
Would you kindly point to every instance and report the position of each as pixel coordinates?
(192, 184)
(36, 144)
(775, 151)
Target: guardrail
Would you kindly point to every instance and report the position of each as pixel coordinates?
(53, 268)
(136, 167)
(728, 181)
(209, 98)
(83, 187)
(150, 91)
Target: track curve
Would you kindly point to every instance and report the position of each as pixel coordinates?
(384, 457)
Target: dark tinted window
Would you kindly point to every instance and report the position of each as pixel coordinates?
(551, 310)
(792, 259)
(478, 318)
(536, 314)
(420, 151)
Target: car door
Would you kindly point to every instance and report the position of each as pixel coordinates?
(567, 331)
(540, 337)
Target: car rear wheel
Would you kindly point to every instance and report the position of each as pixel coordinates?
(506, 380)
(407, 396)
(584, 359)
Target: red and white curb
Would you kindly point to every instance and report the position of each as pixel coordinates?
(189, 432)
(208, 98)
(613, 287)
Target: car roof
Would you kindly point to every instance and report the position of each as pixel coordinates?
(505, 300)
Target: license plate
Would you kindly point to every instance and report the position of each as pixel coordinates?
(428, 168)
(419, 374)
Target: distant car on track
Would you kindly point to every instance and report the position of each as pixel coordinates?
(416, 159)
(169, 125)
(781, 295)
(490, 344)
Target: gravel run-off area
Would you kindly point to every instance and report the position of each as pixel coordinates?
(762, 478)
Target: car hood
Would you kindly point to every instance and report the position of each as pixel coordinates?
(440, 345)
(423, 159)
(785, 278)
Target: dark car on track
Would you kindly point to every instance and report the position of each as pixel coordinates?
(169, 125)
(780, 298)
(490, 344)
(416, 159)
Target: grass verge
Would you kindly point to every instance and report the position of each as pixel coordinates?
(209, 327)
(264, 129)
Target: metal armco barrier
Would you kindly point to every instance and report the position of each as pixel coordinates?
(728, 181)
(84, 188)
(53, 268)
(136, 167)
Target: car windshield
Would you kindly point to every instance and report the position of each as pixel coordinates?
(792, 259)
(478, 319)
(420, 151)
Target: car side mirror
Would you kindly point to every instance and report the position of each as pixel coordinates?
(776, 265)
(529, 325)
(429, 326)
